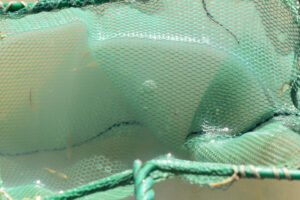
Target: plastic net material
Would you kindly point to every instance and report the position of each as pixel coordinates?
(87, 89)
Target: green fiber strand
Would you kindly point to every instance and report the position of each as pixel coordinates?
(113, 181)
(175, 165)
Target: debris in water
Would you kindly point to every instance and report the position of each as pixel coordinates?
(284, 87)
(59, 174)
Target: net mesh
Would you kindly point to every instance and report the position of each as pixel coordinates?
(85, 91)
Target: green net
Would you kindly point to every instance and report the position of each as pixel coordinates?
(87, 87)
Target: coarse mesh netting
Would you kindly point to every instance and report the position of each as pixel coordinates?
(85, 91)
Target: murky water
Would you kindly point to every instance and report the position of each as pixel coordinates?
(177, 189)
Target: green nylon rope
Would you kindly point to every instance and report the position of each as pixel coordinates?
(143, 182)
(140, 176)
(16, 6)
(120, 179)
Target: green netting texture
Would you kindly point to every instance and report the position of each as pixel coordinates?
(87, 87)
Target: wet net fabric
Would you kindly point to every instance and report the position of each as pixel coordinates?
(85, 91)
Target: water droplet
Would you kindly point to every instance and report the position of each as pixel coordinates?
(169, 155)
(225, 129)
(37, 198)
(205, 40)
(108, 169)
(149, 86)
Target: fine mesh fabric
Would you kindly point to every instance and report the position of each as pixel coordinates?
(85, 91)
